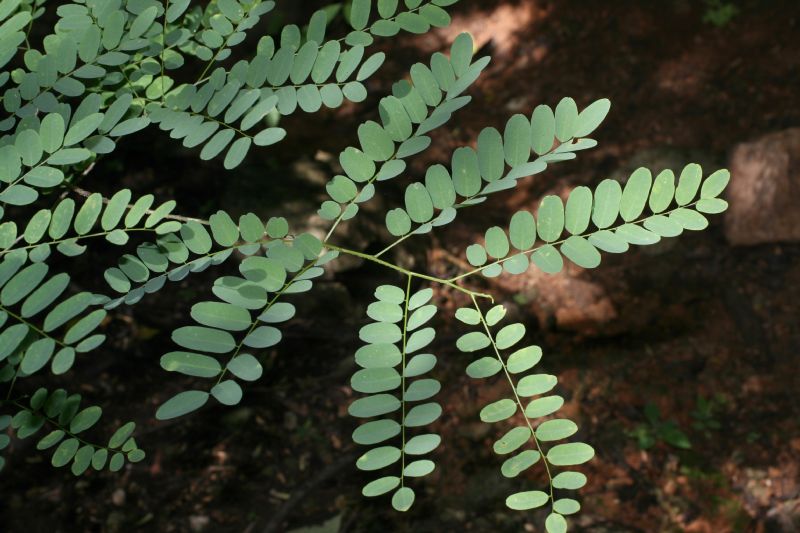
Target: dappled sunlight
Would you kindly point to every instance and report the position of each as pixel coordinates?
(501, 24)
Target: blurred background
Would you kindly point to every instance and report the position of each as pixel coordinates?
(678, 361)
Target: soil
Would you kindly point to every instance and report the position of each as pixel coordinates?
(689, 321)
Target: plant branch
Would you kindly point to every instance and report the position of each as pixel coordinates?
(86, 194)
(62, 428)
(163, 46)
(517, 399)
(32, 326)
(403, 387)
(561, 241)
(373, 259)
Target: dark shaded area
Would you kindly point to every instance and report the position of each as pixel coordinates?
(690, 318)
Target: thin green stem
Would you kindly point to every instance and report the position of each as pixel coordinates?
(219, 51)
(29, 28)
(373, 259)
(21, 320)
(62, 428)
(163, 46)
(75, 238)
(403, 387)
(32, 326)
(132, 87)
(395, 243)
(221, 123)
(517, 399)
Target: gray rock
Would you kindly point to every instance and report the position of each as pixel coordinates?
(784, 518)
(199, 522)
(765, 190)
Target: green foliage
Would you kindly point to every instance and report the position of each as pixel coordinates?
(112, 68)
(245, 307)
(414, 109)
(474, 174)
(658, 430)
(706, 412)
(608, 219)
(523, 444)
(30, 338)
(395, 339)
(61, 413)
(719, 12)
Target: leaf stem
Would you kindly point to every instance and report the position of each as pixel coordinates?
(62, 428)
(163, 46)
(75, 238)
(403, 387)
(21, 320)
(180, 218)
(555, 243)
(519, 402)
(395, 243)
(407, 272)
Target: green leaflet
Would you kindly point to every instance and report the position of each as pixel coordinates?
(419, 205)
(590, 118)
(574, 453)
(375, 141)
(181, 404)
(491, 154)
(522, 230)
(635, 194)
(566, 117)
(496, 242)
(578, 210)
(191, 364)
(517, 140)
(607, 200)
(688, 184)
(550, 218)
(524, 501)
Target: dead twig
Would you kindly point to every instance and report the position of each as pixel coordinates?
(86, 194)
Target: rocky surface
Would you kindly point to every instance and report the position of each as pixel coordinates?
(765, 190)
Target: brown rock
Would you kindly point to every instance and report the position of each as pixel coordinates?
(765, 190)
(568, 300)
(118, 497)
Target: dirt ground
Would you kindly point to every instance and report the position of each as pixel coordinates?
(706, 332)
